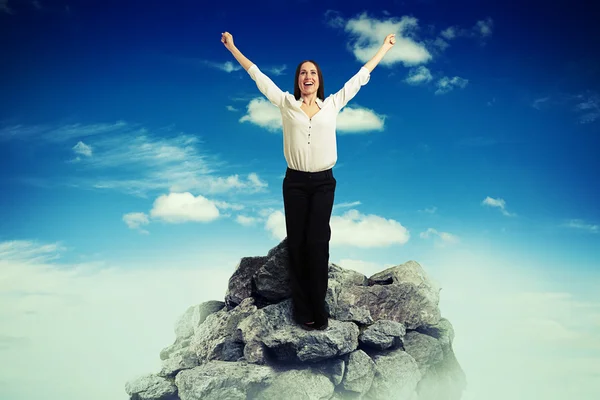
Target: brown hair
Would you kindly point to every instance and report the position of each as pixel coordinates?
(320, 90)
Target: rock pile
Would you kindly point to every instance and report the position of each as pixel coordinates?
(386, 340)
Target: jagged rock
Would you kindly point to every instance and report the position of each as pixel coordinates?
(212, 336)
(383, 334)
(304, 384)
(283, 340)
(240, 283)
(194, 316)
(444, 380)
(426, 350)
(182, 359)
(396, 376)
(386, 340)
(151, 387)
(418, 295)
(360, 373)
(218, 380)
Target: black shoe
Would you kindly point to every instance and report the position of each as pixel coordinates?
(322, 326)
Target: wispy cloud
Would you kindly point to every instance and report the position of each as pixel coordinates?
(498, 203)
(367, 34)
(227, 66)
(419, 75)
(82, 149)
(585, 105)
(447, 238)
(482, 29)
(346, 205)
(352, 229)
(4, 7)
(135, 220)
(429, 210)
(232, 108)
(134, 160)
(278, 70)
(446, 84)
(30, 251)
(582, 225)
(588, 107)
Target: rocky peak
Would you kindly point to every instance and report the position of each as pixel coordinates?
(386, 340)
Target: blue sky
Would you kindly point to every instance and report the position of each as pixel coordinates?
(133, 144)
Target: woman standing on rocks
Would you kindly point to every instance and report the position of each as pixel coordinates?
(310, 150)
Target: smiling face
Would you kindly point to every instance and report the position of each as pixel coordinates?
(308, 79)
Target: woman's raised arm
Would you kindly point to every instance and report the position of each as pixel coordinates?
(227, 40)
(388, 43)
(263, 82)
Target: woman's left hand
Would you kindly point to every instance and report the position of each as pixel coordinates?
(390, 40)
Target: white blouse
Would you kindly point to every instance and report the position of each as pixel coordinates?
(309, 144)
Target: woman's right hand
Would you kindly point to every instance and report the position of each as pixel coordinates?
(227, 40)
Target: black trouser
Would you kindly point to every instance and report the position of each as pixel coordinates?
(308, 200)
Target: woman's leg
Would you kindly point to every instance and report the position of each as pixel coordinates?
(318, 236)
(296, 204)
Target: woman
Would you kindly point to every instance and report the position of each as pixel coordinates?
(309, 145)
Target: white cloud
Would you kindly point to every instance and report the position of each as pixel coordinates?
(276, 225)
(227, 66)
(498, 203)
(346, 205)
(367, 36)
(352, 229)
(228, 206)
(276, 70)
(231, 108)
(263, 113)
(449, 33)
(418, 76)
(119, 316)
(83, 149)
(184, 207)
(534, 326)
(447, 84)
(30, 251)
(588, 106)
(245, 220)
(135, 220)
(429, 210)
(447, 238)
(579, 224)
(538, 103)
(358, 120)
(484, 27)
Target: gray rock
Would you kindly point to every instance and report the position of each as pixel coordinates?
(383, 334)
(194, 316)
(347, 276)
(360, 373)
(426, 350)
(302, 384)
(240, 282)
(179, 345)
(182, 359)
(220, 380)
(272, 278)
(151, 387)
(416, 288)
(273, 330)
(211, 337)
(396, 376)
